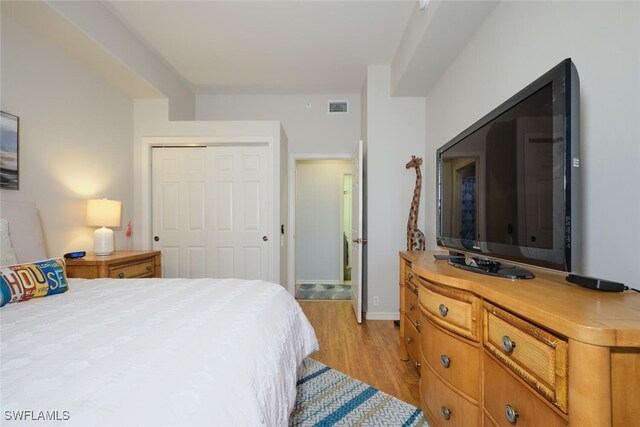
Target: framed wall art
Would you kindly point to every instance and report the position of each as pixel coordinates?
(9, 151)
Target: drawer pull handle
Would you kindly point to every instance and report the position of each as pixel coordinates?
(410, 276)
(445, 412)
(149, 268)
(444, 359)
(443, 310)
(409, 340)
(417, 365)
(415, 289)
(511, 413)
(121, 275)
(411, 307)
(418, 326)
(508, 344)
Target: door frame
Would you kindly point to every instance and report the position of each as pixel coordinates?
(148, 142)
(291, 255)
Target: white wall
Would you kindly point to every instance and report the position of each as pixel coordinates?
(395, 131)
(75, 138)
(518, 43)
(96, 20)
(309, 130)
(318, 226)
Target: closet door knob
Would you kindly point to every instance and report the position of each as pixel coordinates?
(265, 238)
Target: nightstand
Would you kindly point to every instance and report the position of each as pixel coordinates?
(118, 265)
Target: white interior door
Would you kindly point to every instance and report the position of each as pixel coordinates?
(356, 233)
(212, 211)
(239, 212)
(179, 222)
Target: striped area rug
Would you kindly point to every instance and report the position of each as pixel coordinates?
(326, 397)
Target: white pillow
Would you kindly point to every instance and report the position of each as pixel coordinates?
(7, 255)
(25, 230)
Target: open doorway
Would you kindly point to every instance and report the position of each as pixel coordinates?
(322, 204)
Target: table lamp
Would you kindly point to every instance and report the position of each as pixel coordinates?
(103, 213)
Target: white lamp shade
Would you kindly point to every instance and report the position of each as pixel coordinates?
(103, 213)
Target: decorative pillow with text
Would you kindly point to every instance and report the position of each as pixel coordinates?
(21, 282)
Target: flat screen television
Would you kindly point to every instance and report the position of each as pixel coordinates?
(508, 186)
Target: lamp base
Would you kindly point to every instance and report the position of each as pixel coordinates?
(103, 243)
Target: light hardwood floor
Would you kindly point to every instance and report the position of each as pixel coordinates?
(367, 352)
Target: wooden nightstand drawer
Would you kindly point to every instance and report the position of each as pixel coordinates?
(144, 268)
(509, 402)
(445, 406)
(535, 355)
(120, 264)
(454, 360)
(452, 309)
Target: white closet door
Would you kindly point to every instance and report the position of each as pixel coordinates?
(179, 219)
(239, 212)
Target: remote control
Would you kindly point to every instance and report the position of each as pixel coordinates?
(595, 283)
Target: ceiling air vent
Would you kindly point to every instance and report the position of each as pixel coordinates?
(338, 107)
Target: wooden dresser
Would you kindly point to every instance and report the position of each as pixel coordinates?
(501, 352)
(118, 265)
(410, 314)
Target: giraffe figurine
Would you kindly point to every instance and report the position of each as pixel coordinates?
(415, 237)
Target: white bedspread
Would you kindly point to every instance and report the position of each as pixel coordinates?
(154, 352)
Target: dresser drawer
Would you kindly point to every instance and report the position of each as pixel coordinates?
(411, 280)
(511, 403)
(535, 355)
(412, 341)
(456, 361)
(143, 268)
(411, 305)
(446, 407)
(452, 309)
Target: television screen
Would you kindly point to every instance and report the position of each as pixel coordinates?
(507, 185)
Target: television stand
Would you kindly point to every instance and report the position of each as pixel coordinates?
(490, 267)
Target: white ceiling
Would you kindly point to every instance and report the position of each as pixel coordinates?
(277, 47)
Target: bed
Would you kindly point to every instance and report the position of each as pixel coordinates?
(153, 352)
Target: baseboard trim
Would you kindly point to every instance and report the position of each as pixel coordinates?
(383, 316)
